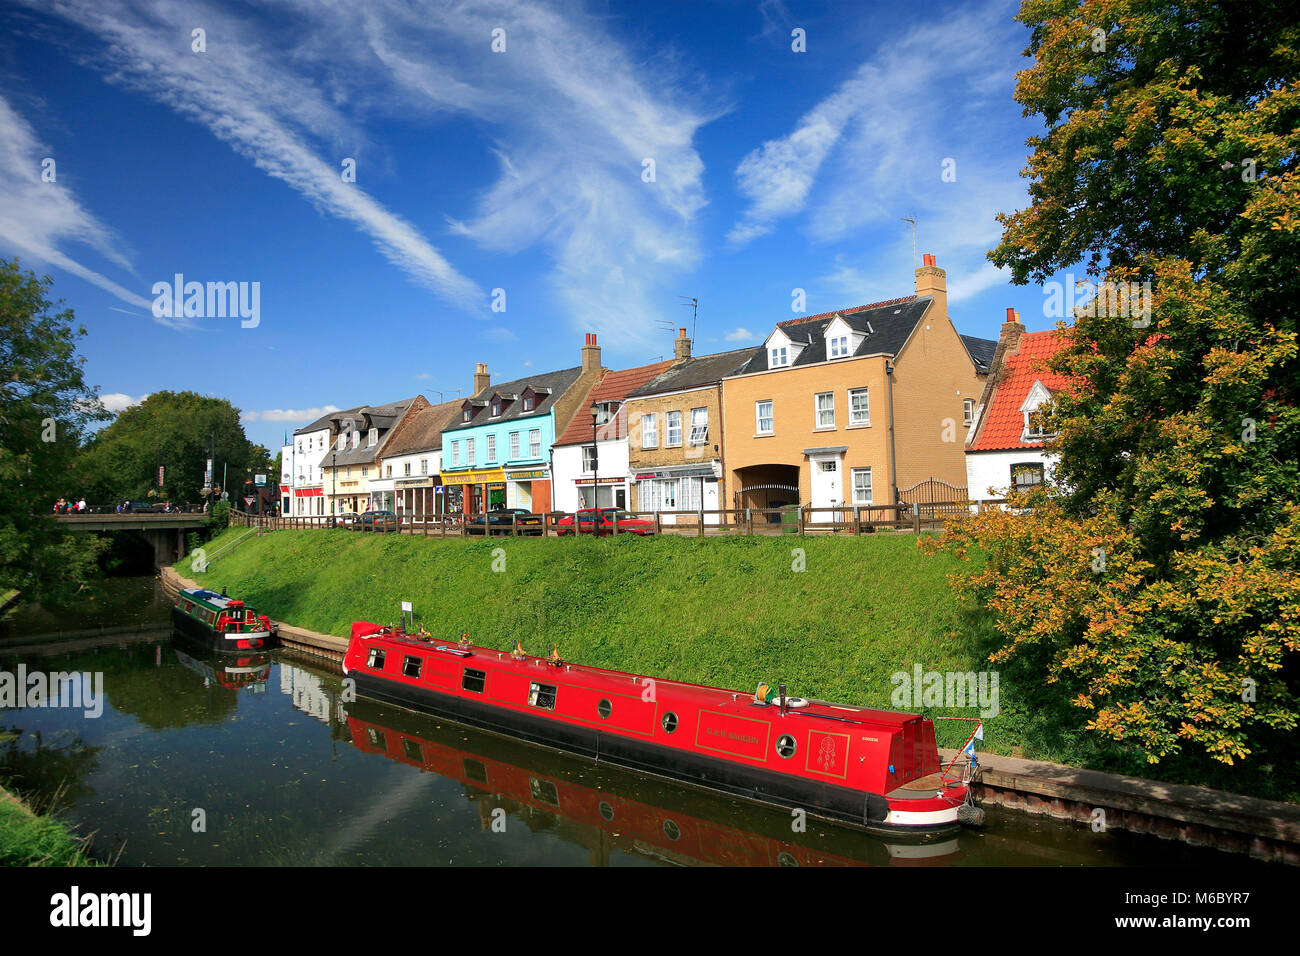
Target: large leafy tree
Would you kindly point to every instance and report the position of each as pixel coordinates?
(1161, 582)
(173, 429)
(45, 410)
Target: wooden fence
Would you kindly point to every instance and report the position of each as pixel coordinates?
(793, 519)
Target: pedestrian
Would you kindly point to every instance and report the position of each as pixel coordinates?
(81, 505)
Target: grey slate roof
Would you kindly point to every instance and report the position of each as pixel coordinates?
(558, 383)
(323, 422)
(981, 351)
(383, 417)
(888, 327)
(696, 372)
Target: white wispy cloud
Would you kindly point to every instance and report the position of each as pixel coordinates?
(873, 149)
(740, 335)
(246, 90)
(288, 414)
(37, 217)
(571, 115)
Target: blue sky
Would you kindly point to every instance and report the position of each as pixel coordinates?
(522, 170)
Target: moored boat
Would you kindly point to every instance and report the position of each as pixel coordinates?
(875, 769)
(220, 622)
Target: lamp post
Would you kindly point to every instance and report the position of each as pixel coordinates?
(334, 481)
(595, 472)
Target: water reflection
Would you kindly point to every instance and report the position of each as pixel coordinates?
(605, 808)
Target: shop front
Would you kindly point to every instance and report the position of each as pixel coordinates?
(480, 491)
(308, 502)
(609, 492)
(382, 495)
(418, 498)
(529, 488)
(679, 488)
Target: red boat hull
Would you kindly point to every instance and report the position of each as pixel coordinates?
(851, 765)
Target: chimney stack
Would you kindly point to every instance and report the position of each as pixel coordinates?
(481, 377)
(590, 353)
(681, 347)
(933, 281)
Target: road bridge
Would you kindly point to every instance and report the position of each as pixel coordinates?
(165, 532)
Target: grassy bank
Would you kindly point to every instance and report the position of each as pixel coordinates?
(730, 612)
(28, 839)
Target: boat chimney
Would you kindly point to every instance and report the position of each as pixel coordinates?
(781, 690)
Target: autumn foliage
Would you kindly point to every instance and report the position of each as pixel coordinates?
(1159, 578)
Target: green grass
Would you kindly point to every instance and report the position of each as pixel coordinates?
(725, 611)
(28, 839)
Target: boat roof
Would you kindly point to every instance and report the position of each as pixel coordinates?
(208, 597)
(600, 678)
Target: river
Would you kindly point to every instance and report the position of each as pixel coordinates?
(198, 759)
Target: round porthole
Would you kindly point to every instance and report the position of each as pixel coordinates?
(785, 745)
(669, 722)
(672, 831)
(785, 859)
(604, 708)
(606, 811)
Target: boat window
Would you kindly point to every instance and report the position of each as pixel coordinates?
(189, 606)
(669, 722)
(604, 708)
(411, 748)
(785, 745)
(377, 738)
(473, 680)
(411, 666)
(377, 655)
(606, 812)
(541, 695)
(474, 769)
(544, 790)
(672, 831)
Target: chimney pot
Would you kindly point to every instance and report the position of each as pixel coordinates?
(590, 353)
(1011, 314)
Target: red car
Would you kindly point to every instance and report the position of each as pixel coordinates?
(627, 523)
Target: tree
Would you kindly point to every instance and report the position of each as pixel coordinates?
(172, 430)
(45, 408)
(1170, 157)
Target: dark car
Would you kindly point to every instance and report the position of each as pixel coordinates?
(609, 519)
(345, 520)
(500, 522)
(143, 507)
(376, 521)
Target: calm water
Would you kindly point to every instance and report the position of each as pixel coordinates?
(262, 751)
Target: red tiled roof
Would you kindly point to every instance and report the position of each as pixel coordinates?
(1003, 422)
(848, 311)
(614, 387)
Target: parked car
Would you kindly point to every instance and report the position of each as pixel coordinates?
(500, 522)
(145, 507)
(345, 520)
(627, 522)
(376, 521)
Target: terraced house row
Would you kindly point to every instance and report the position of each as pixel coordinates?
(844, 408)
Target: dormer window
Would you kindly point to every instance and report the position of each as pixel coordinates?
(464, 416)
(496, 408)
(839, 346)
(343, 442)
(373, 438)
(528, 403)
(778, 357)
(1034, 429)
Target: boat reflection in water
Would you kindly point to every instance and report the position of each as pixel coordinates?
(606, 808)
(222, 670)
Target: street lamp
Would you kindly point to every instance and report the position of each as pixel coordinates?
(595, 471)
(334, 480)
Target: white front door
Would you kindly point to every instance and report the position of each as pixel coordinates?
(827, 485)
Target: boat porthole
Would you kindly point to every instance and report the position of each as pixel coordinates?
(606, 811)
(785, 745)
(672, 831)
(604, 708)
(670, 722)
(785, 859)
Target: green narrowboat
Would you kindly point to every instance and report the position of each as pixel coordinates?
(222, 623)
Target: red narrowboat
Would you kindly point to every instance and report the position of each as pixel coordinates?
(874, 769)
